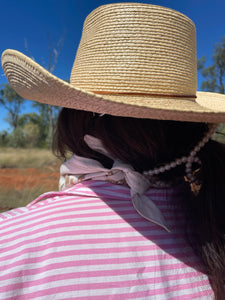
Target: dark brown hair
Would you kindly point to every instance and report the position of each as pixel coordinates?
(145, 144)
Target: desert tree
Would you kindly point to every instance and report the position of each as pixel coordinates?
(48, 112)
(12, 102)
(214, 76)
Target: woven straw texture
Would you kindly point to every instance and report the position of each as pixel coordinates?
(137, 50)
(135, 60)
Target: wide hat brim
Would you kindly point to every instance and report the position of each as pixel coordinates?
(33, 82)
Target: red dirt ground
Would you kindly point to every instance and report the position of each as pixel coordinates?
(28, 178)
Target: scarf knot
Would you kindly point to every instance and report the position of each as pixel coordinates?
(78, 169)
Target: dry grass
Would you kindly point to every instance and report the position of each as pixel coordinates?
(25, 174)
(13, 198)
(26, 158)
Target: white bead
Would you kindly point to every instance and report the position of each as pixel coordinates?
(201, 144)
(205, 139)
(188, 165)
(197, 148)
(178, 161)
(149, 172)
(173, 164)
(162, 169)
(193, 153)
(184, 159)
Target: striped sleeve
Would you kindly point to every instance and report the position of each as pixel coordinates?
(88, 242)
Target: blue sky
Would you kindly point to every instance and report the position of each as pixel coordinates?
(33, 20)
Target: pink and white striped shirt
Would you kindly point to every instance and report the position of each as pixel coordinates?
(88, 242)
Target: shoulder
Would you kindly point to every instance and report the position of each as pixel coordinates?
(43, 201)
(85, 191)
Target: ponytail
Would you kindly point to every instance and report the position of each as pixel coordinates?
(208, 215)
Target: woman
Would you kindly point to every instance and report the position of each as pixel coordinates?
(140, 214)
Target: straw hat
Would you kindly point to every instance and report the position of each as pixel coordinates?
(136, 60)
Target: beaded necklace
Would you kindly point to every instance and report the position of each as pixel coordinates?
(187, 160)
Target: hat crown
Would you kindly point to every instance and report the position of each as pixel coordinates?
(136, 48)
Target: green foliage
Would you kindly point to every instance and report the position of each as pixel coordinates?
(32, 134)
(4, 138)
(16, 138)
(32, 129)
(215, 74)
(215, 78)
(48, 117)
(219, 136)
(12, 102)
(201, 62)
